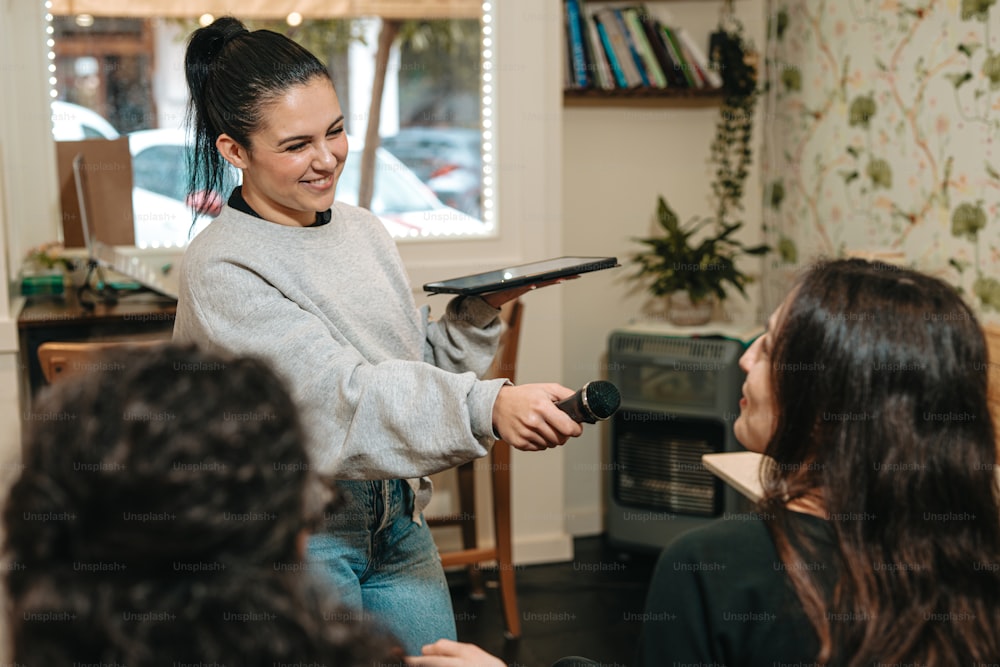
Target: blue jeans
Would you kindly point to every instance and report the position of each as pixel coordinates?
(383, 564)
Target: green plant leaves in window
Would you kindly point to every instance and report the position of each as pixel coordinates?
(880, 172)
(967, 220)
(861, 111)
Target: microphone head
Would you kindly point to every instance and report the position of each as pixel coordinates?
(602, 398)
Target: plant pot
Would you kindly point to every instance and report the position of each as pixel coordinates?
(684, 312)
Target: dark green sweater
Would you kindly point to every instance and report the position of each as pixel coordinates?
(720, 597)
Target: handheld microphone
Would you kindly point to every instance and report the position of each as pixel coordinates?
(596, 401)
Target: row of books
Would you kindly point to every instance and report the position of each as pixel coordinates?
(615, 47)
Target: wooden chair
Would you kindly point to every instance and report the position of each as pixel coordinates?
(63, 359)
(471, 553)
(992, 334)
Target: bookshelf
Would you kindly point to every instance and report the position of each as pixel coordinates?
(645, 96)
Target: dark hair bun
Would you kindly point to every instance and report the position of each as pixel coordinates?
(227, 27)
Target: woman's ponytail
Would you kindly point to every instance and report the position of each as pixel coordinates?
(231, 73)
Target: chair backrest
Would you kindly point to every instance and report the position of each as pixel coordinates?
(505, 362)
(63, 359)
(992, 335)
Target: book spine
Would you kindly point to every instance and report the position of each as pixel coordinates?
(569, 79)
(696, 72)
(654, 72)
(622, 52)
(576, 44)
(613, 64)
(655, 37)
(602, 69)
(680, 62)
(633, 52)
(711, 76)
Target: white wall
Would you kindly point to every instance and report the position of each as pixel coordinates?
(615, 162)
(28, 201)
(528, 102)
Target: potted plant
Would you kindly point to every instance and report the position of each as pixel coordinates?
(690, 267)
(693, 263)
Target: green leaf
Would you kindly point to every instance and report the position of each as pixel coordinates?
(969, 49)
(958, 79)
(991, 69)
(992, 172)
(880, 172)
(776, 194)
(787, 251)
(988, 291)
(849, 176)
(976, 9)
(967, 220)
(861, 110)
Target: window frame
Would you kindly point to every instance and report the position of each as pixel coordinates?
(526, 153)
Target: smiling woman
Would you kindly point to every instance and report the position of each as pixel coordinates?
(114, 66)
(292, 164)
(317, 287)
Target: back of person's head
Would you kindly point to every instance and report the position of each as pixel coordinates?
(880, 382)
(159, 517)
(232, 74)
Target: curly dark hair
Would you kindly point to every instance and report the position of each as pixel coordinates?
(158, 520)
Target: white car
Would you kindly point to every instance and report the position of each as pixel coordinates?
(72, 122)
(405, 204)
(161, 207)
(163, 216)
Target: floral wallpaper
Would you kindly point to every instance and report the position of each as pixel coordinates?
(881, 134)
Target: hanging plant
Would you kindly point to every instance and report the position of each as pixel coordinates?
(731, 153)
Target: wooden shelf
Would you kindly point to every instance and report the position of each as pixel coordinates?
(644, 97)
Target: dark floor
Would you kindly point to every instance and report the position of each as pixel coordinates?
(589, 607)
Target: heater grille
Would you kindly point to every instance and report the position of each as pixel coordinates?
(672, 348)
(660, 470)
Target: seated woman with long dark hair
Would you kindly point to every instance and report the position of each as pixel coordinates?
(877, 540)
(878, 537)
(161, 518)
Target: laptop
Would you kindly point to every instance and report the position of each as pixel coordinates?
(150, 269)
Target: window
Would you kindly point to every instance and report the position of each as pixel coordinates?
(122, 76)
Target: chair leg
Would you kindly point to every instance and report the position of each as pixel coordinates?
(501, 521)
(467, 512)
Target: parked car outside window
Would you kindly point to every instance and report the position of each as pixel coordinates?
(72, 122)
(448, 159)
(163, 211)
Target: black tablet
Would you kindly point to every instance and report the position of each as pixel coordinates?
(522, 274)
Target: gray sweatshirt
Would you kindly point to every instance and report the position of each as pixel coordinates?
(384, 392)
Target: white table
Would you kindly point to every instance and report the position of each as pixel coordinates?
(741, 470)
